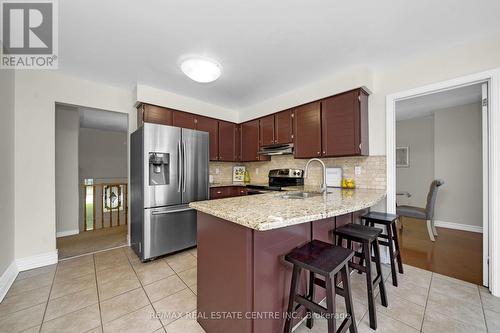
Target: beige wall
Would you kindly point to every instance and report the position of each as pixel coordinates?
(418, 135)
(102, 157)
(447, 146)
(151, 95)
(102, 154)
(7, 216)
(438, 64)
(36, 95)
(66, 169)
(458, 161)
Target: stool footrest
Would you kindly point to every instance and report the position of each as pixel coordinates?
(377, 279)
(339, 291)
(344, 326)
(358, 267)
(310, 305)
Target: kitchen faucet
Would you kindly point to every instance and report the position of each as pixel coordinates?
(323, 186)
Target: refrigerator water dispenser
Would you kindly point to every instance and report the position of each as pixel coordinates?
(159, 168)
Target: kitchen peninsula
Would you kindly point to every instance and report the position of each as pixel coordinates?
(243, 280)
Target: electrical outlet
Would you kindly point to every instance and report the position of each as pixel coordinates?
(357, 170)
(217, 171)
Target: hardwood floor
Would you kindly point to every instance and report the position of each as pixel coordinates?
(455, 253)
(91, 241)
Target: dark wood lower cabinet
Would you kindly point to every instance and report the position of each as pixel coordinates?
(227, 192)
(219, 192)
(242, 272)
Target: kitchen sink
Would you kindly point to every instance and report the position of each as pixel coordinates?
(300, 195)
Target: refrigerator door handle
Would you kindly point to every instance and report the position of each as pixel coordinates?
(161, 212)
(184, 167)
(179, 166)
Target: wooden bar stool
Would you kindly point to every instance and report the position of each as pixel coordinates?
(367, 237)
(326, 260)
(392, 239)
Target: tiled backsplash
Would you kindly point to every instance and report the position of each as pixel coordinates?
(225, 171)
(373, 169)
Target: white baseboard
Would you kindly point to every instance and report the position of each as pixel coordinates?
(458, 226)
(7, 279)
(39, 260)
(67, 233)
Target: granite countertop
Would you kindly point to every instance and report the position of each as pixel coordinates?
(225, 184)
(271, 211)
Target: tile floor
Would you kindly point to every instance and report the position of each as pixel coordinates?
(113, 291)
(91, 241)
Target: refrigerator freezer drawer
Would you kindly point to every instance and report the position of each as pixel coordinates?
(167, 230)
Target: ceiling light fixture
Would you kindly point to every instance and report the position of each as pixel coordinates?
(201, 69)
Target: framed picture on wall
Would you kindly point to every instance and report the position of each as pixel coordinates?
(402, 157)
(238, 173)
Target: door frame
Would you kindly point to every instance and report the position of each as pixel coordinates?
(491, 218)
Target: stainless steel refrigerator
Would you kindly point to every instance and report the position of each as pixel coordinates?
(168, 170)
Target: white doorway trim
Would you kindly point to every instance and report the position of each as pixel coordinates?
(491, 220)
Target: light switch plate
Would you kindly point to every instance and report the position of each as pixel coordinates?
(217, 171)
(357, 170)
(256, 171)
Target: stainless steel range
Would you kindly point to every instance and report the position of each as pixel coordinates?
(278, 178)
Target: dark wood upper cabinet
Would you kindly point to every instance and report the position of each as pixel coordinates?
(147, 113)
(183, 119)
(283, 124)
(332, 127)
(266, 125)
(211, 126)
(307, 130)
(250, 141)
(227, 141)
(345, 124)
(238, 143)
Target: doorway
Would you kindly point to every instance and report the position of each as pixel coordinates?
(491, 183)
(439, 141)
(91, 180)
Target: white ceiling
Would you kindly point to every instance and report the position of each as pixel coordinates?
(426, 105)
(266, 47)
(103, 120)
